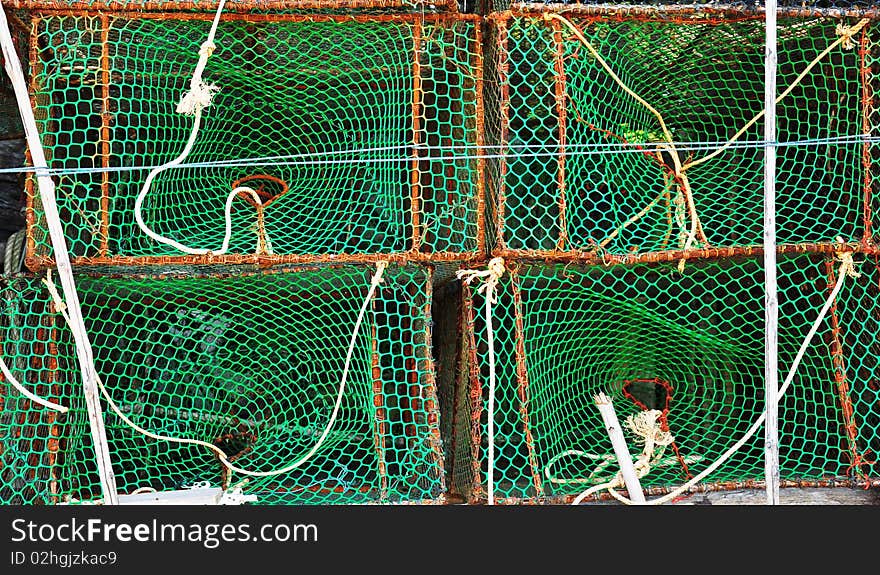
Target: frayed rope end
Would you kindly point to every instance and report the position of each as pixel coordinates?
(198, 97)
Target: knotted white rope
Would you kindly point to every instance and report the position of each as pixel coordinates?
(193, 102)
(648, 431)
(847, 32)
(200, 94)
(224, 459)
(846, 269)
(492, 275)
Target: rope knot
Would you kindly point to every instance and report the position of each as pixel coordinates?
(847, 264)
(381, 266)
(207, 49)
(847, 32)
(198, 97)
(645, 426)
(493, 272)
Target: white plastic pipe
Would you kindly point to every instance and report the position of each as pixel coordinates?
(46, 188)
(624, 459)
(771, 307)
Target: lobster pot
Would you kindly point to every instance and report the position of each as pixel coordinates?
(353, 132)
(586, 166)
(253, 365)
(690, 345)
(32, 459)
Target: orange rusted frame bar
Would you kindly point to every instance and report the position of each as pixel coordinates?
(211, 6)
(594, 258)
(522, 380)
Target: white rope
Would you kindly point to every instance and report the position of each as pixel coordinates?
(492, 274)
(847, 269)
(647, 429)
(224, 459)
(192, 104)
(36, 399)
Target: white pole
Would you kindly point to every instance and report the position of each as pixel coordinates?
(624, 459)
(771, 307)
(62, 261)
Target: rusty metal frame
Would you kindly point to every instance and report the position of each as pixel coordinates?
(857, 458)
(561, 107)
(37, 262)
(380, 425)
(867, 107)
(671, 14)
(522, 383)
(475, 393)
(594, 257)
(232, 6)
(838, 361)
(668, 11)
(501, 194)
(419, 369)
(429, 404)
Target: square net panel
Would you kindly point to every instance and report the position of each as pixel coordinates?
(31, 436)
(251, 364)
(587, 167)
(690, 345)
(353, 131)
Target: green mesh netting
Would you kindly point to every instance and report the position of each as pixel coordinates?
(689, 344)
(251, 364)
(573, 178)
(338, 104)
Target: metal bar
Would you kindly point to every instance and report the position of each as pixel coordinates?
(705, 254)
(53, 442)
(840, 378)
(137, 14)
(867, 108)
(522, 380)
(691, 12)
(431, 404)
(231, 6)
(381, 424)
(30, 217)
(481, 138)
(476, 395)
(503, 69)
(560, 81)
(59, 244)
(417, 110)
(771, 311)
(105, 134)
(37, 263)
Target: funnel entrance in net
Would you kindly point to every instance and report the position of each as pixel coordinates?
(268, 188)
(649, 393)
(235, 443)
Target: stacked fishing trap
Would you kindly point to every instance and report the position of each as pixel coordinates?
(626, 200)
(316, 244)
(256, 271)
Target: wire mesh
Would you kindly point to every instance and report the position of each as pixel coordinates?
(249, 363)
(587, 167)
(651, 337)
(341, 125)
